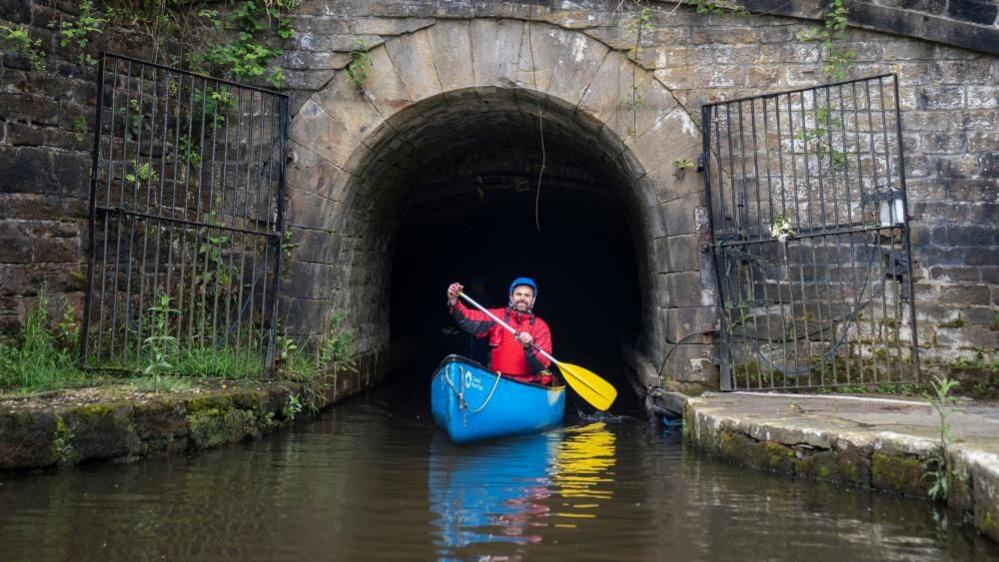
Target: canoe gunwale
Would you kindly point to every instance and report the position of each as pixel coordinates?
(455, 358)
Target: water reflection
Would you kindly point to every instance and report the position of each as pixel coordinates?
(358, 485)
(583, 472)
(509, 491)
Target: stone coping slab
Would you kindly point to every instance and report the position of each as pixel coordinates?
(110, 424)
(877, 443)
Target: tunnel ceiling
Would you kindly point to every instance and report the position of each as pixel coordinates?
(448, 158)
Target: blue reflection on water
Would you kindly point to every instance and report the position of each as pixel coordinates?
(493, 492)
(512, 490)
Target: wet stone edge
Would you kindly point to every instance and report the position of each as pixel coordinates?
(123, 431)
(882, 461)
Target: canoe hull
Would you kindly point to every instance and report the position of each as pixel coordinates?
(472, 403)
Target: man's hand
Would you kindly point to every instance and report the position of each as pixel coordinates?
(525, 339)
(452, 293)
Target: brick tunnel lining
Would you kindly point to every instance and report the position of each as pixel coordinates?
(455, 194)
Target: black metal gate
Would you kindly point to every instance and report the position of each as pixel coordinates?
(186, 222)
(811, 239)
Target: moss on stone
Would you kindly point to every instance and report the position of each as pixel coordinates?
(732, 446)
(815, 465)
(770, 455)
(851, 471)
(159, 420)
(26, 439)
(119, 430)
(62, 443)
(763, 455)
(955, 323)
(102, 431)
(91, 411)
(898, 473)
(986, 523)
(246, 399)
(207, 404)
(215, 427)
(960, 493)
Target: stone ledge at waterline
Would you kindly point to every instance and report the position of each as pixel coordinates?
(72, 432)
(875, 443)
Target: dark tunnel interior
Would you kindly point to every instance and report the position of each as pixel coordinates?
(472, 213)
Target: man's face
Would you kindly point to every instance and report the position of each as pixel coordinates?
(522, 298)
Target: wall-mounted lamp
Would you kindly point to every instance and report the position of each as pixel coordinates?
(891, 208)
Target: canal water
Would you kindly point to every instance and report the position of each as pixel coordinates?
(374, 480)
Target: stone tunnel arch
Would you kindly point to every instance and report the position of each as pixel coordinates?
(357, 152)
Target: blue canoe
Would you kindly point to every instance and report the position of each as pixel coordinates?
(473, 403)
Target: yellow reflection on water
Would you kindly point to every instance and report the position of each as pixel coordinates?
(584, 470)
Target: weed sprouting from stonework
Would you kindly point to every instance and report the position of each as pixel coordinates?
(19, 41)
(837, 60)
(718, 7)
(293, 407)
(360, 64)
(336, 348)
(681, 166)
(142, 174)
(79, 31)
(938, 468)
(67, 330)
(160, 345)
(62, 441)
(242, 42)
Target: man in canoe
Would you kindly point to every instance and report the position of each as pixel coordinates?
(512, 356)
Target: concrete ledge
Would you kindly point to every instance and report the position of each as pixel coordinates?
(882, 444)
(40, 436)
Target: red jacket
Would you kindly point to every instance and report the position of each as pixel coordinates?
(508, 356)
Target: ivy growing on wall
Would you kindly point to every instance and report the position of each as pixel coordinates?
(837, 60)
(17, 40)
(236, 38)
(79, 31)
(248, 54)
(717, 7)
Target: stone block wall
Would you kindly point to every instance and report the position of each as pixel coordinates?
(945, 53)
(971, 24)
(45, 143)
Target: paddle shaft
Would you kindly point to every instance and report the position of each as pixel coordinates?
(505, 325)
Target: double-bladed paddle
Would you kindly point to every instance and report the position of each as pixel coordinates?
(587, 384)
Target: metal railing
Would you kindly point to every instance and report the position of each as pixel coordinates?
(811, 240)
(186, 221)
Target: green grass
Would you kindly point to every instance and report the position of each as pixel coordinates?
(44, 357)
(226, 362)
(37, 361)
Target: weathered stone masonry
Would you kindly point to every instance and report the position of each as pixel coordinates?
(437, 64)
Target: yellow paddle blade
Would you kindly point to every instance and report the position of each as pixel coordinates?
(589, 386)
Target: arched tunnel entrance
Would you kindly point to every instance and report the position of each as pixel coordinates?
(490, 186)
(429, 173)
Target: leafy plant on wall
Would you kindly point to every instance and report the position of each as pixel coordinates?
(241, 41)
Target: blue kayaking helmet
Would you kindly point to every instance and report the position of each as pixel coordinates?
(524, 281)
